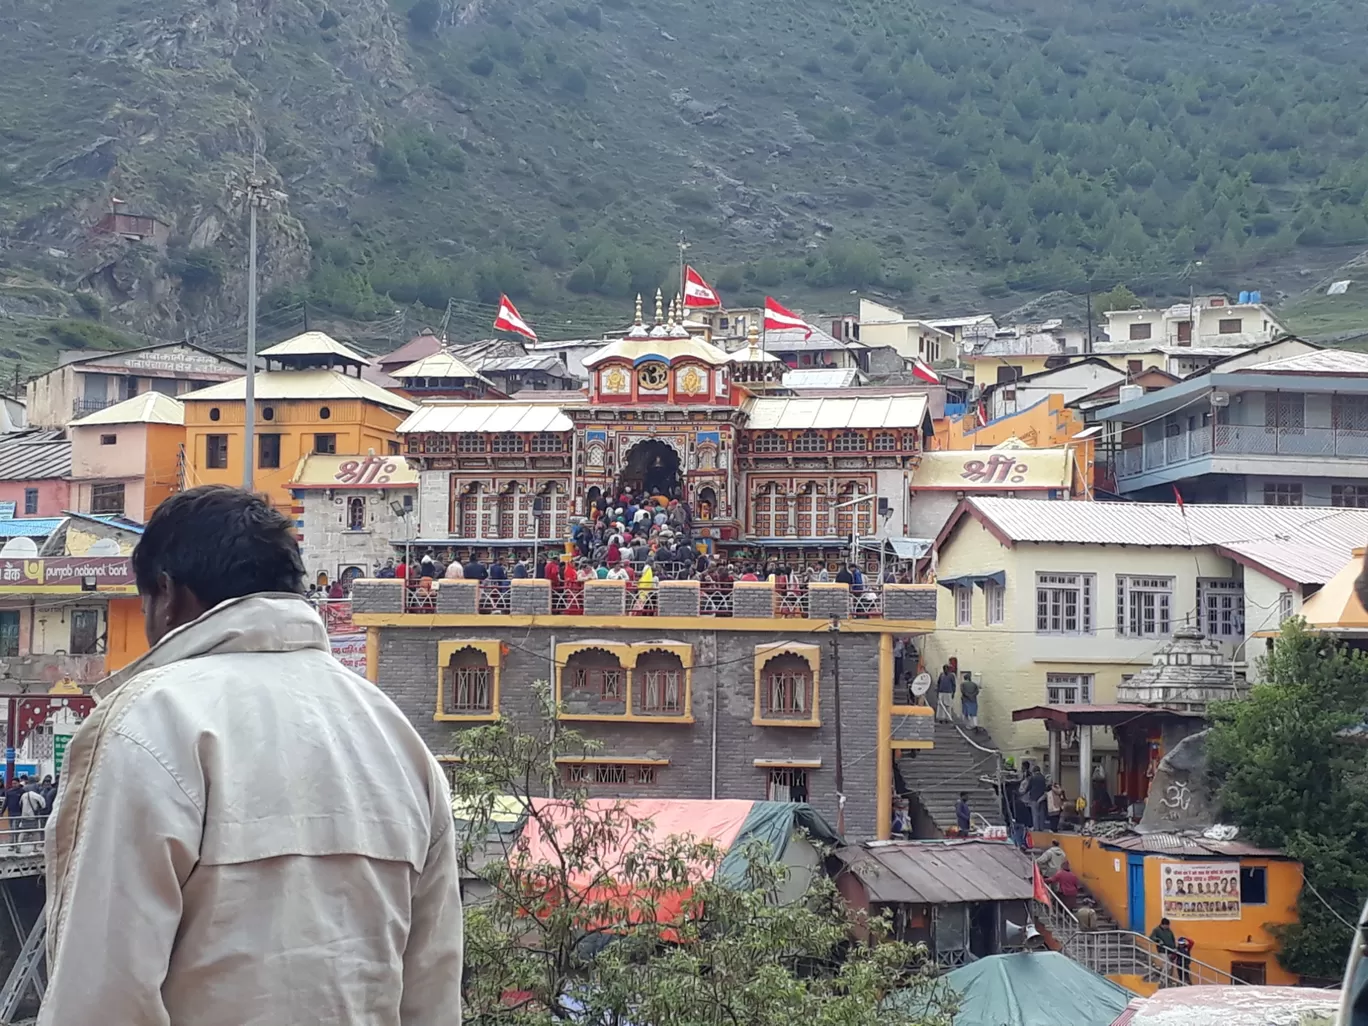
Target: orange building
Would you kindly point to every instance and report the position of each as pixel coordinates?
(127, 458)
(1241, 893)
(310, 399)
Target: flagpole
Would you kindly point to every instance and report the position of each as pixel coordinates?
(683, 283)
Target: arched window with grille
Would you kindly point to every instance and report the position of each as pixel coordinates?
(515, 512)
(356, 513)
(850, 441)
(885, 441)
(810, 441)
(786, 688)
(769, 441)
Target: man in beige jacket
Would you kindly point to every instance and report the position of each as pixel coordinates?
(248, 834)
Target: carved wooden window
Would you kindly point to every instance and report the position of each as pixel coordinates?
(508, 443)
(850, 441)
(547, 441)
(470, 443)
(885, 441)
(810, 441)
(769, 441)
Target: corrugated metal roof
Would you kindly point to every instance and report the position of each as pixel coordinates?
(320, 383)
(506, 364)
(148, 408)
(1167, 524)
(1323, 361)
(822, 377)
(34, 456)
(1303, 562)
(452, 418)
(795, 340)
(784, 414)
(940, 872)
(1240, 1005)
(1183, 844)
(313, 343)
(438, 365)
(30, 527)
(414, 349)
(1039, 344)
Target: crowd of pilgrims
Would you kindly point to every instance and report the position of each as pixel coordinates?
(637, 539)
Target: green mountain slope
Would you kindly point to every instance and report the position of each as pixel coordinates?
(949, 154)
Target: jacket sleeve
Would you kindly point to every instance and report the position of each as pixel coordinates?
(432, 958)
(137, 839)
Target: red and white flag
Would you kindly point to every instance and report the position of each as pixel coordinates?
(778, 318)
(921, 370)
(698, 292)
(510, 320)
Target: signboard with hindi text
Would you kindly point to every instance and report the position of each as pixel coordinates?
(1200, 890)
(996, 470)
(350, 651)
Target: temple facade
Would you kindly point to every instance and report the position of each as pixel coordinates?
(668, 413)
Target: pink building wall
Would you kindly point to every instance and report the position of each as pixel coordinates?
(53, 496)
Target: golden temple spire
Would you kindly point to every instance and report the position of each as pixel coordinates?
(660, 307)
(638, 309)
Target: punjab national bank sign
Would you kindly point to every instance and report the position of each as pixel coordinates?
(67, 573)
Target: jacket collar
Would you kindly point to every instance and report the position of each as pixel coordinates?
(263, 622)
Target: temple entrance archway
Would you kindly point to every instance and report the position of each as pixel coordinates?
(652, 468)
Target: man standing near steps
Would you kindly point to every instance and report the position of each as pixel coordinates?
(218, 856)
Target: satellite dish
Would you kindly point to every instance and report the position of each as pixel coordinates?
(103, 547)
(921, 684)
(19, 547)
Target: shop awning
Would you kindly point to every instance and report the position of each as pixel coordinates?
(998, 577)
(1096, 715)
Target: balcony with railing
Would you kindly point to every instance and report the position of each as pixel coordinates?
(1240, 440)
(664, 596)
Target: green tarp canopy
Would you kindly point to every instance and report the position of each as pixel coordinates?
(1033, 988)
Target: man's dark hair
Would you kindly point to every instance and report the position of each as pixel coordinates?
(219, 543)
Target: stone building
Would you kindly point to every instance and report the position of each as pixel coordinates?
(350, 511)
(685, 705)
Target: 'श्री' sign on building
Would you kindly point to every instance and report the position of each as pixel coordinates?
(68, 573)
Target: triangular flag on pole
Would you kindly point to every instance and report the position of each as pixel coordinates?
(778, 318)
(923, 372)
(510, 320)
(698, 292)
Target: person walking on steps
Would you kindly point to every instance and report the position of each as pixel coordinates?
(945, 695)
(969, 693)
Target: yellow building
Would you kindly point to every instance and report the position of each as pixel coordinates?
(311, 398)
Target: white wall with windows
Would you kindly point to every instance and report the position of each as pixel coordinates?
(1069, 621)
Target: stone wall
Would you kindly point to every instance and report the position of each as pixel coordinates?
(723, 700)
(329, 546)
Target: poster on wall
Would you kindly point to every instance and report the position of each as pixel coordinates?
(350, 651)
(1200, 890)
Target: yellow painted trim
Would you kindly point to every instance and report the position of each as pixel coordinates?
(373, 655)
(787, 763)
(912, 710)
(883, 753)
(607, 760)
(902, 745)
(787, 624)
(810, 654)
(492, 649)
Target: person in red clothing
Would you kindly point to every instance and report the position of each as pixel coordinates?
(1065, 884)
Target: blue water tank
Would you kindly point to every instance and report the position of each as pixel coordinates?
(1244, 297)
(1256, 297)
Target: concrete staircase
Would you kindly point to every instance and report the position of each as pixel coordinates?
(938, 775)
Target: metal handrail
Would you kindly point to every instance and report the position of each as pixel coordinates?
(1123, 952)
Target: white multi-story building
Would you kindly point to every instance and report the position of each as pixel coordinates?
(1205, 321)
